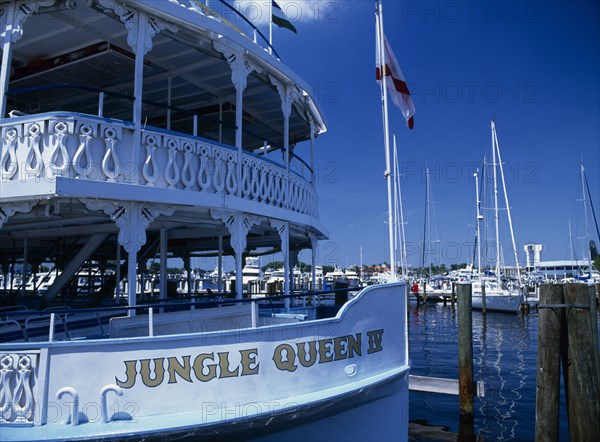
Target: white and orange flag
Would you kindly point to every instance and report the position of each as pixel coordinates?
(394, 80)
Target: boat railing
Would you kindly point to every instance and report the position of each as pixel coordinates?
(228, 14)
(60, 324)
(58, 144)
(300, 169)
(250, 31)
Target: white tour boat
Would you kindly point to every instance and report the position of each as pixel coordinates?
(135, 130)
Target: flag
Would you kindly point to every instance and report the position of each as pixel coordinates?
(279, 18)
(394, 81)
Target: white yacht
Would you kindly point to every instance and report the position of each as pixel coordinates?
(352, 278)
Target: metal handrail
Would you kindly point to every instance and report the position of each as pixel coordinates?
(253, 27)
(178, 303)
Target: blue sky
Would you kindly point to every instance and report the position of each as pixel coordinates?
(532, 66)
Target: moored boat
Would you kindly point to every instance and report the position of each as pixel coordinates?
(497, 292)
(140, 129)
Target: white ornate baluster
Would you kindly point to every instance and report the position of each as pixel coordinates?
(23, 397)
(279, 188)
(6, 397)
(82, 161)
(263, 186)
(34, 161)
(150, 164)
(59, 160)
(308, 202)
(307, 199)
(172, 175)
(231, 183)
(110, 155)
(204, 178)
(246, 186)
(301, 199)
(272, 188)
(188, 174)
(294, 197)
(218, 174)
(291, 197)
(254, 184)
(8, 161)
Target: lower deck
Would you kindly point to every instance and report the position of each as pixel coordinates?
(173, 370)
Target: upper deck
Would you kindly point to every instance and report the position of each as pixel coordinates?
(134, 116)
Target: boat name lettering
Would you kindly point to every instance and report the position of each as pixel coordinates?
(288, 357)
(205, 367)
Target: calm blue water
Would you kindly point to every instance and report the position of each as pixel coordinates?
(504, 354)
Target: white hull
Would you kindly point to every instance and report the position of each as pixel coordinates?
(150, 166)
(498, 302)
(371, 413)
(206, 382)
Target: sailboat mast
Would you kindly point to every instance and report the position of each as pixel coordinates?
(401, 239)
(386, 137)
(510, 224)
(588, 253)
(496, 210)
(429, 218)
(573, 254)
(587, 187)
(479, 218)
(402, 233)
(425, 221)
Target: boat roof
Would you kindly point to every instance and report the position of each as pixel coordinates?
(185, 67)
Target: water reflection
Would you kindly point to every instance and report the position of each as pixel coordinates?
(504, 357)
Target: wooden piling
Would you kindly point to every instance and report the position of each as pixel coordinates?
(465, 358)
(584, 369)
(593, 292)
(548, 364)
(453, 293)
(483, 297)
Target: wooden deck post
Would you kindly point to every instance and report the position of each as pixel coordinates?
(584, 368)
(483, 306)
(465, 358)
(548, 364)
(453, 296)
(592, 289)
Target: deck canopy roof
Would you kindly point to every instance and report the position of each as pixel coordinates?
(67, 54)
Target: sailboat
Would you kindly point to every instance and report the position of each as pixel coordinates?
(591, 276)
(501, 294)
(437, 285)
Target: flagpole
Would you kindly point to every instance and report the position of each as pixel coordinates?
(395, 201)
(271, 27)
(386, 137)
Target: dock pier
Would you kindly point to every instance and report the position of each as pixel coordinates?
(568, 334)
